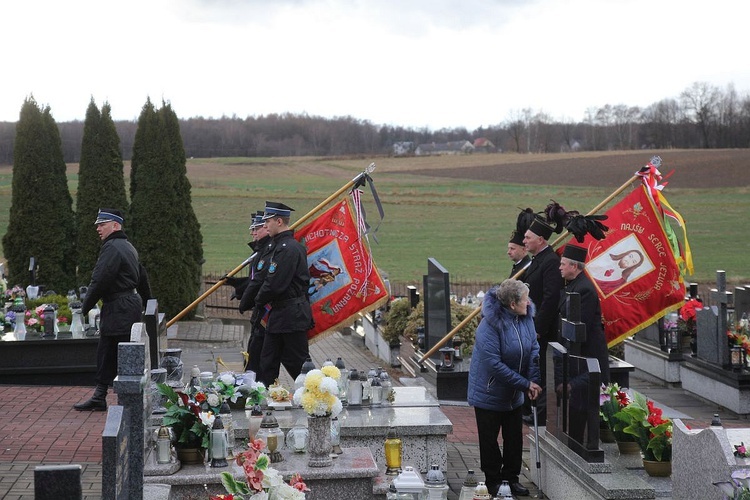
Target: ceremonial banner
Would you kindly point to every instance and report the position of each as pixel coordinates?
(634, 268)
(343, 279)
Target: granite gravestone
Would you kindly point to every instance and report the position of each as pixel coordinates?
(577, 383)
(156, 327)
(53, 482)
(741, 302)
(437, 306)
(712, 325)
(133, 362)
(115, 456)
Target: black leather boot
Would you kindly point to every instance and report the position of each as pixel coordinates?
(97, 402)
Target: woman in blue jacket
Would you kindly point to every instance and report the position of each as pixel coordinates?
(504, 367)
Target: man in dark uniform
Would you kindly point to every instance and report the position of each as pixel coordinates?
(517, 253)
(544, 281)
(121, 282)
(572, 271)
(258, 263)
(282, 298)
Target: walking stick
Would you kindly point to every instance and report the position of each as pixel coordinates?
(536, 441)
(301, 220)
(559, 240)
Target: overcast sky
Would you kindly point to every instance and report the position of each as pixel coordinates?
(425, 63)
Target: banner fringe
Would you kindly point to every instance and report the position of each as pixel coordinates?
(348, 321)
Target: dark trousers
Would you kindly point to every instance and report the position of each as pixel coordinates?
(106, 357)
(496, 465)
(255, 350)
(289, 349)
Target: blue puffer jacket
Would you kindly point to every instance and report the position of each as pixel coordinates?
(501, 365)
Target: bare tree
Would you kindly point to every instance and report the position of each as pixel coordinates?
(701, 100)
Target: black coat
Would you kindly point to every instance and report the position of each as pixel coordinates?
(258, 266)
(545, 283)
(285, 286)
(591, 315)
(121, 283)
(519, 265)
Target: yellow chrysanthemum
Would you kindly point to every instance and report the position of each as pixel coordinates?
(331, 371)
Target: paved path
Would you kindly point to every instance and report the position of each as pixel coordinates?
(40, 426)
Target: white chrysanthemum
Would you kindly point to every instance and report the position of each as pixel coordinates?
(329, 385)
(261, 495)
(227, 378)
(213, 400)
(297, 398)
(258, 385)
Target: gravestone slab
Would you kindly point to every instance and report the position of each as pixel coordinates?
(741, 301)
(156, 327)
(53, 482)
(711, 348)
(437, 307)
(115, 462)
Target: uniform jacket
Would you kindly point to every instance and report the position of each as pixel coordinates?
(545, 283)
(285, 286)
(505, 358)
(591, 315)
(519, 265)
(121, 283)
(258, 265)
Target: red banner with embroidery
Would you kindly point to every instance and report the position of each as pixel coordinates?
(344, 281)
(633, 268)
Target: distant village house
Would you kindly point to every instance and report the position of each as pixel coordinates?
(447, 148)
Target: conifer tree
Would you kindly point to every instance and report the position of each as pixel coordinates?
(41, 221)
(163, 225)
(101, 183)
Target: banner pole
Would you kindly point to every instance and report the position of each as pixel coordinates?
(557, 241)
(302, 219)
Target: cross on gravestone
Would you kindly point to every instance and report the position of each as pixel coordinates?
(712, 325)
(156, 327)
(571, 328)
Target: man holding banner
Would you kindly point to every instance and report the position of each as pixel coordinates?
(282, 297)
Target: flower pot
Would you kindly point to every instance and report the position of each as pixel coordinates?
(628, 447)
(319, 441)
(658, 469)
(191, 456)
(606, 435)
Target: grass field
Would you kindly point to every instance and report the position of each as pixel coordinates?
(461, 210)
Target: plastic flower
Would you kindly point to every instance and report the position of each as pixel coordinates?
(262, 482)
(740, 450)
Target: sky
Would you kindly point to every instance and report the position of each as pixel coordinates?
(414, 63)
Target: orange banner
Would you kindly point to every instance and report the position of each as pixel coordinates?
(633, 268)
(344, 281)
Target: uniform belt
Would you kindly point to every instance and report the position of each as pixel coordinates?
(117, 295)
(280, 304)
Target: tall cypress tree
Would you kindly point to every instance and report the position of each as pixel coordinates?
(41, 222)
(163, 225)
(101, 183)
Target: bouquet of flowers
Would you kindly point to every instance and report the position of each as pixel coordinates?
(612, 399)
(12, 293)
(187, 418)
(740, 451)
(231, 387)
(261, 481)
(278, 392)
(319, 393)
(652, 432)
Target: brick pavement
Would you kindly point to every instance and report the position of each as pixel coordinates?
(40, 426)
